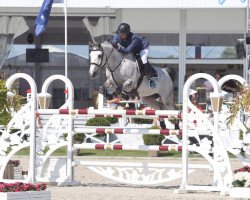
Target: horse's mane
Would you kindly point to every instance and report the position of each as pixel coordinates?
(109, 45)
(105, 43)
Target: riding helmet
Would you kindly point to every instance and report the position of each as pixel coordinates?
(123, 28)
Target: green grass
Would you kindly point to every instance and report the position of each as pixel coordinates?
(62, 152)
(26, 151)
(112, 153)
(23, 152)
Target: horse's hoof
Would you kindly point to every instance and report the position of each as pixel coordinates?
(125, 96)
(118, 90)
(162, 125)
(101, 90)
(108, 96)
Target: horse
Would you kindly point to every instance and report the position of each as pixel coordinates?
(123, 70)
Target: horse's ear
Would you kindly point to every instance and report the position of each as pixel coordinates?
(90, 46)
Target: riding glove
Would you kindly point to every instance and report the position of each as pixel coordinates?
(115, 45)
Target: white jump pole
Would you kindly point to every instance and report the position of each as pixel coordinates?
(140, 131)
(115, 113)
(99, 146)
(69, 104)
(33, 99)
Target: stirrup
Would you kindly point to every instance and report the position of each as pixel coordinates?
(152, 83)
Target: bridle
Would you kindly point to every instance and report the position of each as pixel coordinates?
(100, 66)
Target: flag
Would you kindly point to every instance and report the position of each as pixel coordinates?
(58, 1)
(43, 16)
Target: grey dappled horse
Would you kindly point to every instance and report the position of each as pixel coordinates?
(122, 69)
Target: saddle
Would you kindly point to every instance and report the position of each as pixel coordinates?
(147, 71)
(143, 72)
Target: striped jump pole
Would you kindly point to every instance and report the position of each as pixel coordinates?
(142, 131)
(114, 113)
(91, 146)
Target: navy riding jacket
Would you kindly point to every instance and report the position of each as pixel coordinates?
(133, 43)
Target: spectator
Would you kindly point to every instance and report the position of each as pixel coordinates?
(193, 95)
(231, 87)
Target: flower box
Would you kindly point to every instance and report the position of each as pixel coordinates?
(30, 195)
(241, 183)
(240, 192)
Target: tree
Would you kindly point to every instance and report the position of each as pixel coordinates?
(228, 53)
(5, 107)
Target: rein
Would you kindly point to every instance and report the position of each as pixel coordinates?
(100, 66)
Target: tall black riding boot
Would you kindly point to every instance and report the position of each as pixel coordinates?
(151, 73)
(149, 70)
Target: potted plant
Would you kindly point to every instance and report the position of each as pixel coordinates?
(23, 191)
(153, 140)
(241, 183)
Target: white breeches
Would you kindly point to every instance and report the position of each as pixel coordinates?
(144, 55)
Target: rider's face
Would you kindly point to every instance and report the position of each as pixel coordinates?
(123, 36)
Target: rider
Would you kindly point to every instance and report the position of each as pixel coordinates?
(129, 42)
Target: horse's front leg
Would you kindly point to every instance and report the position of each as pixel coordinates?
(107, 90)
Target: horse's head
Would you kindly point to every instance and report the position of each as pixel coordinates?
(98, 57)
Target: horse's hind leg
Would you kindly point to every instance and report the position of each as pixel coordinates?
(167, 101)
(169, 105)
(153, 103)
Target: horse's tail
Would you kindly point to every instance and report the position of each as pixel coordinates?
(172, 73)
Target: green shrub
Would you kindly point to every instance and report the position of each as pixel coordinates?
(142, 121)
(153, 139)
(98, 121)
(112, 120)
(79, 137)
